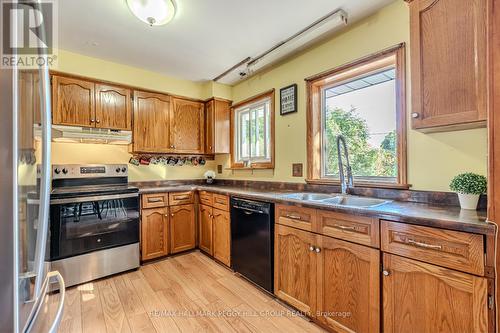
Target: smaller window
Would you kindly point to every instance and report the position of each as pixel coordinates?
(252, 128)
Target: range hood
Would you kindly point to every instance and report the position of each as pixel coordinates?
(86, 135)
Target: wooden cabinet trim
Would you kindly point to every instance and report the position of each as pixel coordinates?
(452, 249)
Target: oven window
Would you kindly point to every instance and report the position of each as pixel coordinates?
(82, 227)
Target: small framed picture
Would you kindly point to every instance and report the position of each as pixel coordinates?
(288, 99)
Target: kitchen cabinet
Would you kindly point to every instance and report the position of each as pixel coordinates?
(217, 115)
(348, 286)
(222, 236)
(295, 259)
(449, 53)
(73, 102)
(205, 226)
(79, 102)
(420, 297)
(113, 108)
(187, 126)
(154, 233)
(182, 228)
(151, 122)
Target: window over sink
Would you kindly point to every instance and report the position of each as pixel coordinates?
(364, 102)
(252, 124)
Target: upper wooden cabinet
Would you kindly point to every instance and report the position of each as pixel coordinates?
(449, 85)
(73, 102)
(151, 122)
(420, 297)
(187, 126)
(79, 102)
(217, 126)
(113, 108)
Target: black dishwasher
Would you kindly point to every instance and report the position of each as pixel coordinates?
(252, 241)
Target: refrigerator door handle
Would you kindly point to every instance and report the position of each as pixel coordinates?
(43, 212)
(54, 275)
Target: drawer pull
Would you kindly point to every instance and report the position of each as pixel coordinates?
(344, 227)
(183, 197)
(155, 199)
(293, 217)
(424, 245)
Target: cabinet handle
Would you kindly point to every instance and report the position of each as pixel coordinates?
(155, 200)
(424, 245)
(318, 250)
(183, 197)
(344, 227)
(293, 217)
(386, 272)
(415, 115)
(311, 248)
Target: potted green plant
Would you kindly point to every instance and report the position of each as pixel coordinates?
(469, 186)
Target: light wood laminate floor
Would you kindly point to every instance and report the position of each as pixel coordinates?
(185, 293)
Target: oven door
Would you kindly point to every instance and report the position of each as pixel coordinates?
(84, 224)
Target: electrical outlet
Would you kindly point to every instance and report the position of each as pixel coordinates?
(219, 168)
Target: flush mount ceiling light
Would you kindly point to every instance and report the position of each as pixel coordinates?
(152, 12)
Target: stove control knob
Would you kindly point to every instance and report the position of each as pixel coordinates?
(117, 170)
(57, 171)
(124, 169)
(65, 171)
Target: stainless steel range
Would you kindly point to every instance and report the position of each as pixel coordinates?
(94, 222)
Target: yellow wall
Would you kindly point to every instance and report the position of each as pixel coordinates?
(73, 63)
(433, 159)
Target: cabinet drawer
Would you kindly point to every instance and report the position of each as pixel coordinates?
(154, 200)
(206, 198)
(452, 249)
(181, 198)
(357, 229)
(221, 202)
(297, 217)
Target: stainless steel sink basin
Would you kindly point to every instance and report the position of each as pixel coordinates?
(353, 201)
(309, 196)
(338, 200)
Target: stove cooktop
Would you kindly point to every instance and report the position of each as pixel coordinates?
(91, 190)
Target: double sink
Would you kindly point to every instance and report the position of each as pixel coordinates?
(337, 199)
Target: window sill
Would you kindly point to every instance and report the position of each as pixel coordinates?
(360, 184)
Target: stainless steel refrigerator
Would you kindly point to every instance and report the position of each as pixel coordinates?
(24, 203)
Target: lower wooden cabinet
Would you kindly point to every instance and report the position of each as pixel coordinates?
(295, 268)
(222, 236)
(182, 228)
(205, 229)
(420, 297)
(154, 233)
(348, 285)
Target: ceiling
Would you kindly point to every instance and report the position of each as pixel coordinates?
(205, 38)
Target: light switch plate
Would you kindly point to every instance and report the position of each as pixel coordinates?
(297, 170)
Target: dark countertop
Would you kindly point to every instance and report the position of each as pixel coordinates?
(446, 217)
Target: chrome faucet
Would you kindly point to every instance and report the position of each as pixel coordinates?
(343, 183)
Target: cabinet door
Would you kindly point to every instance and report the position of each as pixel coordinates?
(205, 233)
(420, 297)
(113, 107)
(73, 102)
(295, 268)
(187, 127)
(154, 233)
(449, 62)
(222, 236)
(217, 127)
(348, 286)
(151, 122)
(210, 127)
(182, 228)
